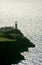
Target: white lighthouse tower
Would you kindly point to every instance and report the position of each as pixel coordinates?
(16, 25)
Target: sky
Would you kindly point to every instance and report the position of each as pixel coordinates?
(27, 13)
(21, 7)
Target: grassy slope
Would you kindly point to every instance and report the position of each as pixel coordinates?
(3, 38)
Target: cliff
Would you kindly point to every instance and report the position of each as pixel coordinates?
(12, 42)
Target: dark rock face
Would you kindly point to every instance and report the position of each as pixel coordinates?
(10, 50)
(24, 44)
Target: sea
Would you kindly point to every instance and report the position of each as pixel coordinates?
(34, 55)
(32, 29)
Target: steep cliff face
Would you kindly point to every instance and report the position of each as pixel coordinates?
(12, 42)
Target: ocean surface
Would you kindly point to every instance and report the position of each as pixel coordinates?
(28, 15)
(34, 55)
(32, 29)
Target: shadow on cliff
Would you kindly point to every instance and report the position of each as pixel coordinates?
(10, 51)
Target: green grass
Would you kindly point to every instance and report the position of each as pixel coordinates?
(3, 38)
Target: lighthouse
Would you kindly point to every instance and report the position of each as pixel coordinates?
(16, 25)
